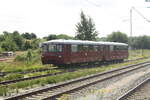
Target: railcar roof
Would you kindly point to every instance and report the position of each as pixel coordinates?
(60, 41)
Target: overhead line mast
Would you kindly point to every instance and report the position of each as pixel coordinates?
(146, 19)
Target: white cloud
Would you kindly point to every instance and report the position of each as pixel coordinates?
(45, 17)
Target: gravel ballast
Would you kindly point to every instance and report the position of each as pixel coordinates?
(141, 93)
(113, 88)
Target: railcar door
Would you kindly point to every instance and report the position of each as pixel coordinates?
(75, 54)
(105, 52)
(67, 53)
(59, 53)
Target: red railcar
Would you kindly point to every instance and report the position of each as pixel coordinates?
(62, 52)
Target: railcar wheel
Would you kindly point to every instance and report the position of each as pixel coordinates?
(100, 63)
(121, 60)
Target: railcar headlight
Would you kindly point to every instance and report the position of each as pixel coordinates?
(59, 56)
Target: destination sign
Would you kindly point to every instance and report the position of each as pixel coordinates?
(147, 0)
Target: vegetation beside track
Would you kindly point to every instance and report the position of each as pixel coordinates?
(21, 64)
(26, 61)
(16, 87)
(134, 54)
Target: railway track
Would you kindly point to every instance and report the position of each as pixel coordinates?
(52, 92)
(139, 92)
(46, 69)
(30, 78)
(24, 72)
(45, 75)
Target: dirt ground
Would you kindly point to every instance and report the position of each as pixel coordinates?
(10, 58)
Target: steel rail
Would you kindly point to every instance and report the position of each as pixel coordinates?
(131, 91)
(46, 69)
(57, 86)
(41, 76)
(24, 72)
(29, 78)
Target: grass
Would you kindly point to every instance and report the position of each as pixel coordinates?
(14, 76)
(133, 54)
(19, 66)
(11, 77)
(59, 78)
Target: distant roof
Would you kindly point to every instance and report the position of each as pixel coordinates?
(61, 41)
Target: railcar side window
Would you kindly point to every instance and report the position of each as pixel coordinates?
(59, 48)
(74, 48)
(126, 48)
(85, 47)
(111, 48)
(80, 47)
(91, 48)
(107, 48)
(121, 48)
(117, 48)
(101, 48)
(96, 48)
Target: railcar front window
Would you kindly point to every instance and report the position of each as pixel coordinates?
(55, 48)
(44, 48)
(52, 48)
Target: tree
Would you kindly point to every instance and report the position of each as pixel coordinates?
(35, 43)
(9, 45)
(27, 45)
(141, 42)
(29, 56)
(86, 29)
(51, 37)
(2, 38)
(6, 33)
(33, 36)
(18, 39)
(1, 50)
(64, 36)
(29, 36)
(101, 39)
(14, 41)
(118, 37)
(26, 35)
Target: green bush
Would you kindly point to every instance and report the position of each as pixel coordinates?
(20, 58)
(30, 57)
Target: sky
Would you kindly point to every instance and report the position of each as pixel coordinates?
(44, 17)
